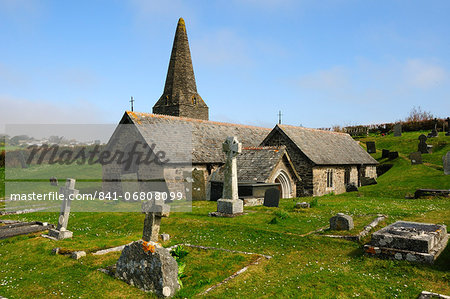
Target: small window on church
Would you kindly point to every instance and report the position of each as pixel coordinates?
(194, 100)
(329, 178)
(167, 100)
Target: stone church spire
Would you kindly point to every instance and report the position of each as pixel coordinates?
(180, 97)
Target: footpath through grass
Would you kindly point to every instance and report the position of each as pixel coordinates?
(303, 265)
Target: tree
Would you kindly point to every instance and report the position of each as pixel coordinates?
(416, 114)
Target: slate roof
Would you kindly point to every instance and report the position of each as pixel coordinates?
(206, 138)
(325, 147)
(255, 164)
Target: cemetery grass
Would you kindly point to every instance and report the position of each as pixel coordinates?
(303, 263)
(408, 142)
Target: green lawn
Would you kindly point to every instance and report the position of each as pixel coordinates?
(303, 265)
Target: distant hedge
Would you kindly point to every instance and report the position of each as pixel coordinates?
(2, 158)
(410, 126)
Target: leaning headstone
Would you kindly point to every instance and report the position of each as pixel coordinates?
(446, 162)
(385, 153)
(393, 155)
(423, 146)
(61, 231)
(230, 204)
(416, 158)
(433, 132)
(448, 127)
(371, 149)
(272, 198)
(397, 130)
(149, 267)
(341, 222)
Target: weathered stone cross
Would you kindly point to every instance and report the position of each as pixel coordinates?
(67, 190)
(230, 204)
(153, 211)
(61, 231)
(231, 147)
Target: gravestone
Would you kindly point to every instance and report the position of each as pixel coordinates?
(230, 204)
(145, 263)
(448, 127)
(149, 267)
(446, 162)
(385, 153)
(423, 146)
(153, 211)
(341, 222)
(416, 158)
(371, 149)
(53, 181)
(271, 197)
(302, 205)
(433, 132)
(411, 241)
(61, 231)
(397, 130)
(165, 237)
(366, 181)
(351, 187)
(393, 155)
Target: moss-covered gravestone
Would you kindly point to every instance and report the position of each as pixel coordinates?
(145, 263)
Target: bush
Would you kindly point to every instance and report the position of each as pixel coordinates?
(179, 253)
(2, 159)
(279, 215)
(314, 203)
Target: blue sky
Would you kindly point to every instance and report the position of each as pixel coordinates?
(321, 63)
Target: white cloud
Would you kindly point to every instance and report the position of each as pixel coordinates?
(220, 48)
(24, 111)
(11, 77)
(423, 74)
(334, 78)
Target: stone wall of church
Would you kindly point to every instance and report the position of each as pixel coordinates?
(371, 171)
(320, 174)
(301, 163)
(283, 166)
(190, 111)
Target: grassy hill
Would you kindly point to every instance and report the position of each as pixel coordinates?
(304, 264)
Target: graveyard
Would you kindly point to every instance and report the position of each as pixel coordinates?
(286, 251)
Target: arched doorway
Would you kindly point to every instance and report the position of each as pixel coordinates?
(285, 184)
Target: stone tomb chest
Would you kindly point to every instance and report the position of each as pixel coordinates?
(411, 241)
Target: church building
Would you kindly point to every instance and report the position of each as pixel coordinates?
(299, 161)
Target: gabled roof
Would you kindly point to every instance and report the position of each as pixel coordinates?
(257, 164)
(325, 147)
(207, 136)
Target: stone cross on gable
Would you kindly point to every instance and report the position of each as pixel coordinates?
(231, 147)
(67, 190)
(154, 211)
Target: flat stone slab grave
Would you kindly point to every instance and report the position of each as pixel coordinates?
(411, 241)
(23, 228)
